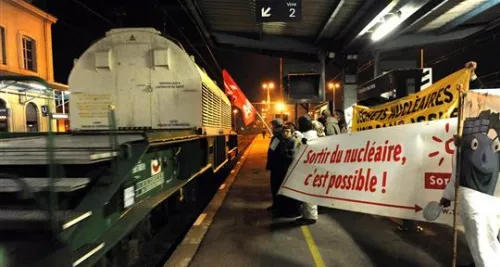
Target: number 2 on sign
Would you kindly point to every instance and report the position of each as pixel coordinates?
(292, 12)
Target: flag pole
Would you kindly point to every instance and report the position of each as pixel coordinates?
(264, 122)
(461, 99)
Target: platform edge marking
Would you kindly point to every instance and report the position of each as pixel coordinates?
(318, 260)
(185, 261)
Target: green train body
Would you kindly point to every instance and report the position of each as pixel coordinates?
(103, 199)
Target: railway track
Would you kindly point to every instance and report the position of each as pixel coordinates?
(157, 250)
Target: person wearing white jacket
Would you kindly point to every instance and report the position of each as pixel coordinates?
(479, 188)
(309, 211)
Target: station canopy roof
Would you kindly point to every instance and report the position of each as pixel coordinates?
(339, 26)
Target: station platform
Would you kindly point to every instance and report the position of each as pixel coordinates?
(237, 231)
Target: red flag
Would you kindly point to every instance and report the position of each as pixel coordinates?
(238, 98)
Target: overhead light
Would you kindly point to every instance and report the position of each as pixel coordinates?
(386, 27)
(393, 19)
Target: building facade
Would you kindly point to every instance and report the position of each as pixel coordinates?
(26, 50)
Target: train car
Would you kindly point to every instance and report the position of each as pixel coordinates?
(146, 122)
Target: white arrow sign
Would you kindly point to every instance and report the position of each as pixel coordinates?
(264, 12)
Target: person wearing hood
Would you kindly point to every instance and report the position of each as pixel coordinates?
(276, 160)
(309, 211)
(331, 123)
(319, 128)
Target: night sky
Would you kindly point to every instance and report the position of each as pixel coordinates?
(82, 22)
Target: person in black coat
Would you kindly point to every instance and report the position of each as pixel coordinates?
(287, 207)
(276, 160)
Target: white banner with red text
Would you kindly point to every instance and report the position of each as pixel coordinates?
(391, 172)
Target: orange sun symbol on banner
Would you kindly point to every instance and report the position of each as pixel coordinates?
(448, 145)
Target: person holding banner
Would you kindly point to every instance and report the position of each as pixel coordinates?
(339, 115)
(319, 128)
(479, 187)
(331, 123)
(288, 207)
(309, 211)
(276, 160)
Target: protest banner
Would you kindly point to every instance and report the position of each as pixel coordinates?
(439, 101)
(391, 172)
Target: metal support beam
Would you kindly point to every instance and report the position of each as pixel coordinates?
(276, 43)
(376, 62)
(329, 22)
(418, 40)
(466, 16)
(272, 53)
(370, 11)
(367, 4)
(432, 10)
(194, 11)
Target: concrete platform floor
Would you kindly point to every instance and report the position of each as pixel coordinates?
(244, 234)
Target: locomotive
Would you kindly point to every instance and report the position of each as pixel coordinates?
(146, 121)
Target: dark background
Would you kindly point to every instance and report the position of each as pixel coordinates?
(82, 22)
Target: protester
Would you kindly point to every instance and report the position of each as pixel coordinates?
(322, 120)
(479, 208)
(332, 124)
(309, 211)
(479, 203)
(319, 128)
(288, 207)
(339, 115)
(276, 160)
(264, 134)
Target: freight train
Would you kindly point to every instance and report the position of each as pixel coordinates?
(146, 121)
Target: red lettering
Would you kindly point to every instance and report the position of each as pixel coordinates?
(371, 153)
(331, 183)
(306, 182)
(308, 158)
(373, 182)
(360, 159)
(397, 152)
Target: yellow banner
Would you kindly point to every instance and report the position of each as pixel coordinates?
(439, 101)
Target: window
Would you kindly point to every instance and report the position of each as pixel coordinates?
(3, 54)
(29, 53)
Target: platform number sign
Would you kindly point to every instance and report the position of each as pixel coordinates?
(278, 10)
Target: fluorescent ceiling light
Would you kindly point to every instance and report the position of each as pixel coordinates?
(394, 21)
(386, 27)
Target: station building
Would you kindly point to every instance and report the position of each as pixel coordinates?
(26, 50)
